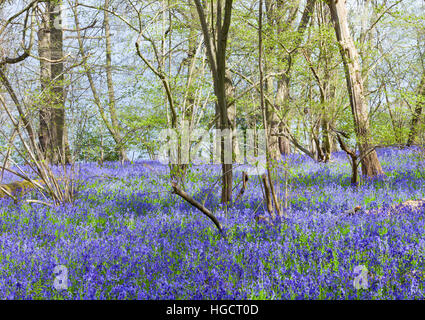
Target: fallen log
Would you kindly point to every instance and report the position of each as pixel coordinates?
(352, 212)
(265, 219)
(13, 187)
(413, 204)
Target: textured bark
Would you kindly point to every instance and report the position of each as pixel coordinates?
(245, 179)
(51, 110)
(273, 121)
(282, 104)
(230, 93)
(45, 110)
(370, 163)
(268, 195)
(57, 78)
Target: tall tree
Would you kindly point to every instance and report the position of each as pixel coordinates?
(276, 10)
(216, 43)
(111, 125)
(353, 74)
(111, 94)
(51, 132)
(45, 134)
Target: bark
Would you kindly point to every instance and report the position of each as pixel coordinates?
(370, 163)
(190, 60)
(269, 188)
(45, 110)
(268, 195)
(282, 101)
(58, 114)
(245, 179)
(51, 110)
(353, 160)
(420, 104)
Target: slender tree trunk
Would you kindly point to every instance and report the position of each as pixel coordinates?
(326, 141)
(111, 94)
(370, 163)
(216, 44)
(58, 92)
(282, 101)
(273, 121)
(420, 105)
(280, 144)
(96, 98)
(45, 110)
(230, 93)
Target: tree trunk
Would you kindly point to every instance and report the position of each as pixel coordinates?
(282, 101)
(58, 114)
(45, 111)
(273, 121)
(326, 140)
(420, 104)
(111, 128)
(216, 44)
(230, 93)
(370, 163)
(52, 111)
(111, 94)
(280, 145)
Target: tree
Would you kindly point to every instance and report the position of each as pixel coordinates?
(51, 132)
(111, 94)
(216, 44)
(420, 105)
(111, 125)
(276, 10)
(370, 162)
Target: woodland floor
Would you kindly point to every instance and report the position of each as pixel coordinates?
(127, 236)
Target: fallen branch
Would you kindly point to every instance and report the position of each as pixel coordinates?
(353, 211)
(265, 219)
(413, 204)
(197, 205)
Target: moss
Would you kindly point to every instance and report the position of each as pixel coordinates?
(16, 186)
